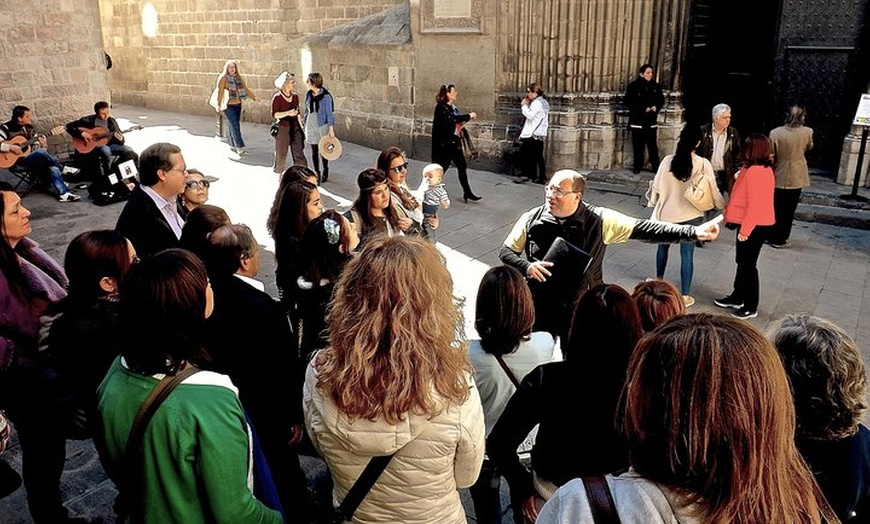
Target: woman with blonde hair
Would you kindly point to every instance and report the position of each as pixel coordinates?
(709, 422)
(231, 84)
(396, 379)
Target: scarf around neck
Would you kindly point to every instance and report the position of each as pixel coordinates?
(236, 87)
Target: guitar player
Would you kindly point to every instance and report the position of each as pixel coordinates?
(35, 158)
(98, 136)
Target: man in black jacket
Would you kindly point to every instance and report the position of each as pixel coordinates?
(248, 339)
(590, 228)
(720, 144)
(150, 219)
(645, 99)
(99, 137)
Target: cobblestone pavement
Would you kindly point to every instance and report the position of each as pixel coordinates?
(825, 272)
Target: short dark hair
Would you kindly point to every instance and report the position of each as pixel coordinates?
(756, 151)
(227, 246)
(505, 312)
(644, 67)
(162, 310)
(536, 88)
(101, 105)
(155, 158)
(201, 221)
(315, 79)
(19, 112)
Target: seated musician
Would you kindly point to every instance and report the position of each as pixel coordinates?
(100, 136)
(25, 148)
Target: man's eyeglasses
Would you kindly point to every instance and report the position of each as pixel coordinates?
(557, 191)
(195, 184)
(181, 170)
(398, 169)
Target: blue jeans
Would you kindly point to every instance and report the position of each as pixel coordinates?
(42, 163)
(687, 260)
(234, 117)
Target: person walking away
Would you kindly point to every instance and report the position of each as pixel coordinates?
(790, 143)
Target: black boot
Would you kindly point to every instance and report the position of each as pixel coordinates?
(325, 175)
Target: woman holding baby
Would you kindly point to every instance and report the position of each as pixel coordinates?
(409, 204)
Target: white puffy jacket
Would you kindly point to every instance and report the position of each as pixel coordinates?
(434, 458)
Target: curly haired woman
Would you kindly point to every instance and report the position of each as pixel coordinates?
(396, 379)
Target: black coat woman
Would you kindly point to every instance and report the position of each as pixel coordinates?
(446, 137)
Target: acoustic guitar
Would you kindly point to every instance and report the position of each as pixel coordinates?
(100, 136)
(8, 158)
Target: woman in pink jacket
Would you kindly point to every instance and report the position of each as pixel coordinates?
(751, 209)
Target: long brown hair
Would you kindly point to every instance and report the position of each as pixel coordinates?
(707, 411)
(384, 160)
(396, 334)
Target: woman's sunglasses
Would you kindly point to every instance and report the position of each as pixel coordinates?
(194, 184)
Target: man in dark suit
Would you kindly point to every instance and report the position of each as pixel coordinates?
(250, 340)
(150, 218)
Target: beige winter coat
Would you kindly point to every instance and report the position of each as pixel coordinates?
(672, 205)
(790, 146)
(434, 458)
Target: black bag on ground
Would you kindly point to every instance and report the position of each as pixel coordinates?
(103, 192)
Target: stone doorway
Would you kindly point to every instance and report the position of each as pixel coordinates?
(730, 59)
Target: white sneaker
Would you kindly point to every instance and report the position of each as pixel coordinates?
(69, 170)
(69, 197)
(688, 300)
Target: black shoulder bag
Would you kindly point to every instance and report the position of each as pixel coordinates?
(360, 488)
(129, 498)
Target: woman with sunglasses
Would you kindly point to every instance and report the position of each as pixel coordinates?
(446, 136)
(195, 192)
(408, 204)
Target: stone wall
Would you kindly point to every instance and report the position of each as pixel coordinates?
(53, 61)
(167, 54)
(319, 15)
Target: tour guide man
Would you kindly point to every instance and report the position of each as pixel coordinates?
(590, 228)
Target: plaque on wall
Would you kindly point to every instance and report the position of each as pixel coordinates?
(451, 16)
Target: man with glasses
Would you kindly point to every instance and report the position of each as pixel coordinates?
(150, 219)
(587, 227)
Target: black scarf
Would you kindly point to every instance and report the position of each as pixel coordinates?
(314, 100)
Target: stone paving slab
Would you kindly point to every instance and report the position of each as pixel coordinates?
(826, 271)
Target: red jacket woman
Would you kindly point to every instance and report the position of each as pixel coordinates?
(751, 207)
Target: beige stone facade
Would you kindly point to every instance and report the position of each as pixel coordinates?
(384, 60)
(53, 62)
